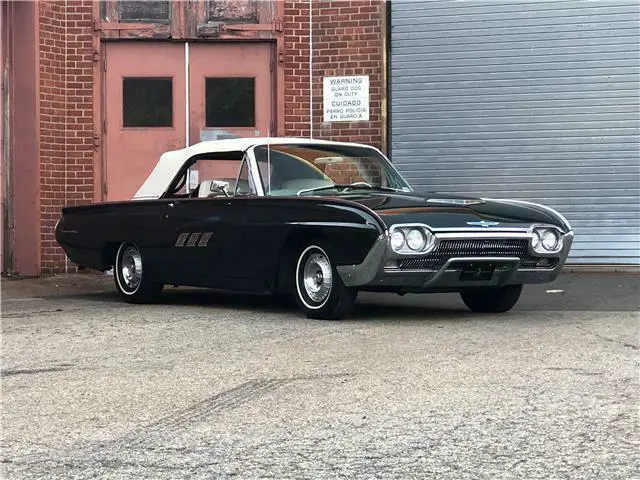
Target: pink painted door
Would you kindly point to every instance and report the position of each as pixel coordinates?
(230, 93)
(231, 90)
(144, 108)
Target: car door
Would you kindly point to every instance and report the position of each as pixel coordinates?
(261, 231)
(206, 243)
(200, 237)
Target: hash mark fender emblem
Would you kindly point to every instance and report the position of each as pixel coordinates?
(182, 238)
(193, 239)
(483, 223)
(204, 239)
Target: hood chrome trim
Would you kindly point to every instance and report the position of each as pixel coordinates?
(456, 201)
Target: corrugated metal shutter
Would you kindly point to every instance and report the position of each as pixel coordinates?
(530, 100)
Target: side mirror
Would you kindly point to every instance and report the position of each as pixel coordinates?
(219, 186)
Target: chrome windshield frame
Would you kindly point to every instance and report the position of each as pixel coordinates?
(260, 186)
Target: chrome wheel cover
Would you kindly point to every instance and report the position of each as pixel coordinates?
(131, 268)
(317, 277)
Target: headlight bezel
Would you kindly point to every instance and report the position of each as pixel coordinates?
(416, 235)
(401, 234)
(549, 240)
(538, 235)
(429, 238)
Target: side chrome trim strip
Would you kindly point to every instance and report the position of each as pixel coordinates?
(361, 226)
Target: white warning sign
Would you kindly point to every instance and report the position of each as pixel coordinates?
(346, 99)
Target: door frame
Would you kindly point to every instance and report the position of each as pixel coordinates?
(276, 121)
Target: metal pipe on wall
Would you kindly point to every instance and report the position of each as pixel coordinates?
(384, 101)
(310, 69)
(66, 120)
(2, 143)
(186, 93)
(187, 124)
(5, 132)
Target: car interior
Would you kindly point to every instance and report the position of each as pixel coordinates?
(284, 170)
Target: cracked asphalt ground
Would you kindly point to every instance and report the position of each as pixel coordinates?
(210, 385)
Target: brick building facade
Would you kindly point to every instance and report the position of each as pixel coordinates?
(53, 63)
(347, 39)
(460, 94)
(66, 117)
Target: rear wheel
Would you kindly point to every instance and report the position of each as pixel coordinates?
(132, 283)
(319, 290)
(492, 300)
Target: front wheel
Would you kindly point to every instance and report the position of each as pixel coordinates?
(492, 300)
(320, 292)
(132, 282)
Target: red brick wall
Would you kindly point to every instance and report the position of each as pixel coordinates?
(347, 40)
(296, 68)
(66, 117)
(80, 146)
(52, 125)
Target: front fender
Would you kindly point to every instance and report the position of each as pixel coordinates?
(560, 219)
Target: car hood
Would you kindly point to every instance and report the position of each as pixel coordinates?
(454, 211)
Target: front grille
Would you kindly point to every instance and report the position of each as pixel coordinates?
(447, 249)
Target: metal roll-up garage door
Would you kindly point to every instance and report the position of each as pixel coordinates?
(528, 100)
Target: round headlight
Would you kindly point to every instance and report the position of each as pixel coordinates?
(550, 239)
(397, 240)
(535, 241)
(416, 240)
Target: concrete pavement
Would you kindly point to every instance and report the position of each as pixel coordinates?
(210, 385)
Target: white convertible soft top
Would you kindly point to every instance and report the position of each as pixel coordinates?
(172, 161)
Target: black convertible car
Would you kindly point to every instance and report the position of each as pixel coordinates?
(318, 220)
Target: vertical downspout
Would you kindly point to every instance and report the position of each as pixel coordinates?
(186, 109)
(310, 69)
(186, 93)
(2, 149)
(386, 46)
(7, 201)
(66, 119)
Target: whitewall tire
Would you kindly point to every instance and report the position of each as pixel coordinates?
(132, 282)
(319, 290)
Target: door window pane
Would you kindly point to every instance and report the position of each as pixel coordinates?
(147, 102)
(149, 11)
(230, 102)
(245, 186)
(235, 11)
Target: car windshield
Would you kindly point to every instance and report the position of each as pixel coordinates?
(314, 169)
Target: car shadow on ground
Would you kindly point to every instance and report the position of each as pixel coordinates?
(571, 292)
(369, 306)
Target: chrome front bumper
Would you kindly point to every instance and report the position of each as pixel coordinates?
(380, 269)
